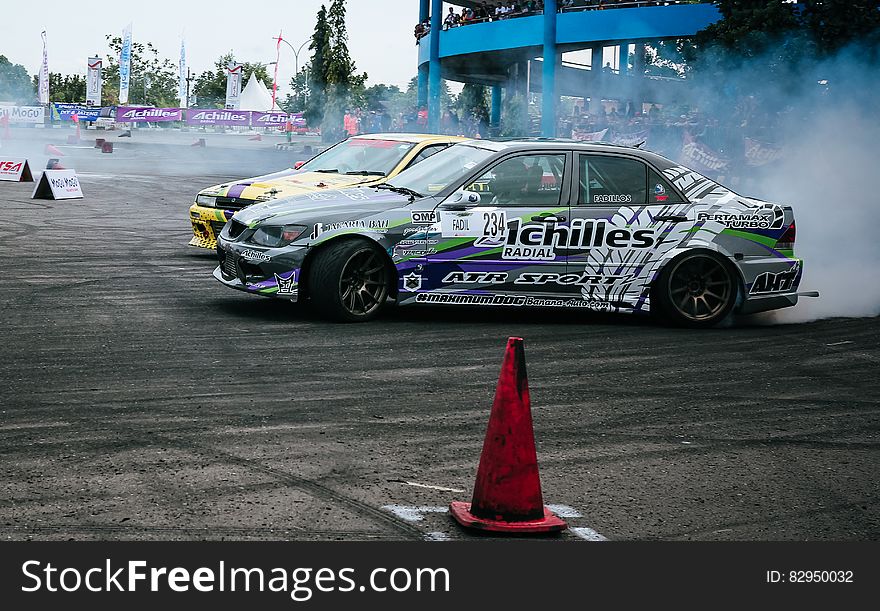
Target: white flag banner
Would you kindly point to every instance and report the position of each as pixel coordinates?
(44, 73)
(125, 65)
(93, 82)
(233, 86)
(181, 83)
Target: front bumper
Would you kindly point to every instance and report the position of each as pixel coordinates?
(260, 271)
(207, 223)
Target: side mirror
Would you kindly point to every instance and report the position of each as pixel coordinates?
(462, 200)
(298, 165)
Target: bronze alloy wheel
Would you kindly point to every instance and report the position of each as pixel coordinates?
(349, 280)
(363, 284)
(700, 289)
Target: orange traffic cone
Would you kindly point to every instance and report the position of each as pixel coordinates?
(507, 494)
(51, 150)
(257, 137)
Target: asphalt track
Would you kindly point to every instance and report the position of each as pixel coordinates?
(143, 400)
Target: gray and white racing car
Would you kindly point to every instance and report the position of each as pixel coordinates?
(522, 223)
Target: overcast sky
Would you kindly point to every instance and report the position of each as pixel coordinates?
(380, 33)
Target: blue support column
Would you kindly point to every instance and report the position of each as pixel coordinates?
(548, 102)
(623, 55)
(495, 116)
(434, 70)
(424, 13)
(423, 86)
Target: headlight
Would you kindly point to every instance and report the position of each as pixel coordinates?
(209, 201)
(275, 236)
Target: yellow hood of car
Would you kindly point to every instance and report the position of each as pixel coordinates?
(293, 184)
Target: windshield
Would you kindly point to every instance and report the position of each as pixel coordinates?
(360, 156)
(440, 170)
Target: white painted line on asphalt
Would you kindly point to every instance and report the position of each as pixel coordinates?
(430, 487)
(839, 343)
(588, 534)
(564, 511)
(412, 513)
(436, 536)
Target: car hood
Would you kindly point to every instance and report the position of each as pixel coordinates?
(323, 206)
(285, 183)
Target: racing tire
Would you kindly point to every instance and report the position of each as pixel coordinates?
(349, 281)
(697, 290)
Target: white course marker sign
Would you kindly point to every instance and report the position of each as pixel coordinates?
(15, 170)
(58, 184)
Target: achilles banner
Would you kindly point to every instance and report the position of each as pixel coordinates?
(585, 136)
(269, 119)
(15, 170)
(23, 114)
(212, 116)
(93, 82)
(700, 157)
(760, 153)
(129, 114)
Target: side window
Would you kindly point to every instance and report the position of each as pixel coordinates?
(606, 181)
(525, 180)
(425, 153)
(660, 191)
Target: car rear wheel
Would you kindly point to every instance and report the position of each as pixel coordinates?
(349, 281)
(697, 290)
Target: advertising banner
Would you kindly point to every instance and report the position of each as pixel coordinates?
(273, 118)
(129, 114)
(23, 114)
(631, 139)
(760, 153)
(125, 65)
(585, 136)
(212, 116)
(58, 184)
(15, 170)
(64, 111)
(181, 77)
(93, 82)
(233, 85)
(44, 73)
(700, 157)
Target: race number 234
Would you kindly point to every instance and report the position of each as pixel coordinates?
(494, 223)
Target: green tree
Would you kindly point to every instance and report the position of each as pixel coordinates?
(514, 116)
(210, 87)
(298, 98)
(15, 84)
(317, 75)
(473, 101)
(153, 79)
(834, 24)
(339, 71)
(65, 88)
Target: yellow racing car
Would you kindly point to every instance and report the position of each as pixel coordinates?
(358, 161)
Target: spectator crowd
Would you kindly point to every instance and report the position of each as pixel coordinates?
(507, 9)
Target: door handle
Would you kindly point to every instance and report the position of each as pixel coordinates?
(548, 219)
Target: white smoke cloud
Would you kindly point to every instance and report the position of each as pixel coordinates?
(830, 177)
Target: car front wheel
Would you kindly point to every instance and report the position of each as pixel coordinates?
(697, 290)
(349, 281)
